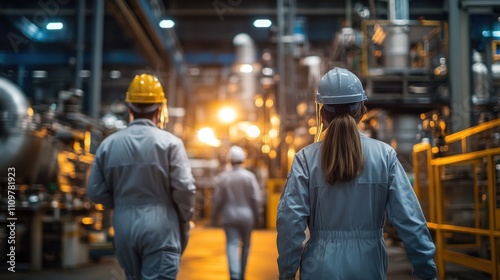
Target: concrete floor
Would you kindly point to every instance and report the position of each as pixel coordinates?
(205, 259)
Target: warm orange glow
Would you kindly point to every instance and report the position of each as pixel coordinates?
(273, 154)
(259, 101)
(227, 115)
(99, 207)
(266, 149)
(87, 220)
(252, 132)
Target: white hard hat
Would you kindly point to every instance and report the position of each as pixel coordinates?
(236, 154)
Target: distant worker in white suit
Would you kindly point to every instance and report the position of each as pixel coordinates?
(236, 201)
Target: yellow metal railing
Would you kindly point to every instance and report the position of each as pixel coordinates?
(274, 189)
(466, 183)
(463, 137)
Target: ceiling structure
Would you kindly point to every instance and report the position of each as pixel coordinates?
(104, 44)
(132, 40)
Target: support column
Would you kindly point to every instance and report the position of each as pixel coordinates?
(95, 89)
(80, 48)
(459, 68)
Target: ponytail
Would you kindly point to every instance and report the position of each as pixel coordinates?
(342, 153)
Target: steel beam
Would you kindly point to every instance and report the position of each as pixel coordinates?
(459, 67)
(96, 63)
(479, 3)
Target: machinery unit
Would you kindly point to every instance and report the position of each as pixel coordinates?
(49, 151)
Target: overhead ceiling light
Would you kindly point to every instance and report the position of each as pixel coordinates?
(262, 23)
(115, 74)
(85, 73)
(167, 23)
(246, 68)
(267, 71)
(54, 26)
(39, 74)
(194, 71)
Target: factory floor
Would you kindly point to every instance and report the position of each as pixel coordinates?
(205, 259)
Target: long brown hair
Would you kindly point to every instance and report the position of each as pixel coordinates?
(342, 153)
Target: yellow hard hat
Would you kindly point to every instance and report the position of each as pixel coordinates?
(145, 88)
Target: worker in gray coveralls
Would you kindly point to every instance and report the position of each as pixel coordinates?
(142, 173)
(237, 199)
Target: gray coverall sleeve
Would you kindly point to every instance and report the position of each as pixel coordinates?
(291, 220)
(404, 212)
(97, 189)
(182, 182)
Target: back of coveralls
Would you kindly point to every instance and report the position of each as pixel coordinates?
(236, 199)
(346, 220)
(144, 174)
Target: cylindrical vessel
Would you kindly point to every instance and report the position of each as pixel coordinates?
(397, 48)
(32, 155)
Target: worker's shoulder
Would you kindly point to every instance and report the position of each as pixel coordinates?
(163, 134)
(371, 144)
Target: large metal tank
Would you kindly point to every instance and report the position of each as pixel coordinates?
(24, 145)
(397, 48)
(245, 67)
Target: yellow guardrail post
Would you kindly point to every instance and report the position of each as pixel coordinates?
(274, 189)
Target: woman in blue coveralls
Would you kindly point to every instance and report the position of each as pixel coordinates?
(341, 187)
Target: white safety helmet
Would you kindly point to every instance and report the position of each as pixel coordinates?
(338, 87)
(236, 154)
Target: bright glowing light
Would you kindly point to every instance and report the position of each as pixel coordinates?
(205, 132)
(227, 115)
(275, 120)
(267, 71)
(262, 23)
(273, 133)
(273, 154)
(167, 23)
(99, 207)
(266, 149)
(30, 112)
(291, 153)
(312, 130)
(259, 102)
(87, 220)
(246, 68)
(253, 131)
(206, 135)
(54, 26)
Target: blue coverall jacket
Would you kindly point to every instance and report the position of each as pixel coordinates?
(346, 220)
(143, 174)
